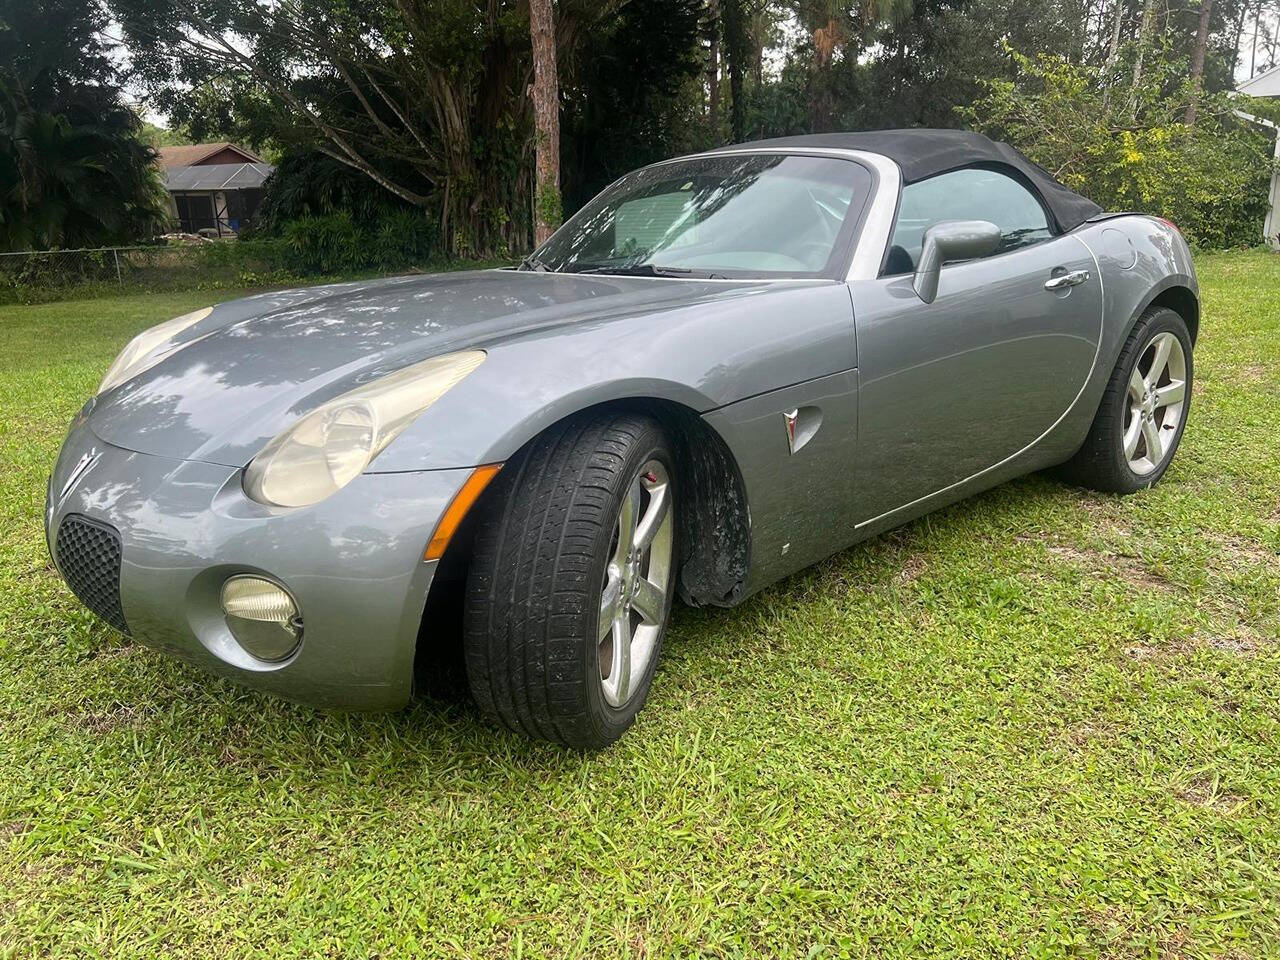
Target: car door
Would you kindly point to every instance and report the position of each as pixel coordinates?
(951, 388)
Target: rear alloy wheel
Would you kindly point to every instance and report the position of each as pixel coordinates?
(1143, 410)
(571, 579)
(1157, 395)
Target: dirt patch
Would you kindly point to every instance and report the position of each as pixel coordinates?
(1104, 564)
(1241, 640)
(1107, 512)
(1207, 792)
(114, 649)
(101, 722)
(48, 871)
(1253, 373)
(1240, 550)
(1089, 732)
(1134, 570)
(1074, 555)
(911, 570)
(1146, 651)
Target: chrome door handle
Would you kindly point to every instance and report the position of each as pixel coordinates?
(1066, 280)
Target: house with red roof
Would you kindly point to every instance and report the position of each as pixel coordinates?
(214, 188)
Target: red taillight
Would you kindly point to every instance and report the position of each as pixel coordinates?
(1169, 223)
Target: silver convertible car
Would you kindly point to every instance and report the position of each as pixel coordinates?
(724, 368)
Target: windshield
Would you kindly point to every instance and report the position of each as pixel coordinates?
(729, 216)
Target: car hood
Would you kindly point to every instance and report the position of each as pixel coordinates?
(255, 365)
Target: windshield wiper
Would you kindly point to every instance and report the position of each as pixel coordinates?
(640, 270)
(531, 262)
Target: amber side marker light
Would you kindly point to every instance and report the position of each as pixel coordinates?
(462, 502)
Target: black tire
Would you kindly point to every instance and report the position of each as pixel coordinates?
(1101, 464)
(543, 545)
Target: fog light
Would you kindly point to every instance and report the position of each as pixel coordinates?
(262, 617)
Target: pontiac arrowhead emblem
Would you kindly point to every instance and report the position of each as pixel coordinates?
(78, 471)
(790, 420)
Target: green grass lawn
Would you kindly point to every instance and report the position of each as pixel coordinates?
(1041, 723)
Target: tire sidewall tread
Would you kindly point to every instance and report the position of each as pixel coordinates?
(537, 571)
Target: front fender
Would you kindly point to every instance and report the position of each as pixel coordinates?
(699, 359)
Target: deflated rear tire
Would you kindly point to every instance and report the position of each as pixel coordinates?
(571, 578)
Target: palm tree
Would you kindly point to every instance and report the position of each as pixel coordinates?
(80, 176)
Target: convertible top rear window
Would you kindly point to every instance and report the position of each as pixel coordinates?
(741, 216)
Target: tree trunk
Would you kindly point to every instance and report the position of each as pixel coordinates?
(713, 67)
(546, 118)
(757, 40)
(1239, 34)
(1253, 60)
(735, 48)
(1144, 37)
(1114, 50)
(1197, 61)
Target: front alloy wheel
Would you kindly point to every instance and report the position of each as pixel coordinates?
(571, 579)
(633, 606)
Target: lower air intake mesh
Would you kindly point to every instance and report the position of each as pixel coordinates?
(89, 557)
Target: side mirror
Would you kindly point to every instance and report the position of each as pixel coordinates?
(947, 241)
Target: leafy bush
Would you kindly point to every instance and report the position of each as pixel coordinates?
(336, 243)
(1126, 146)
(404, 238)
(323, 244)
(307, 183)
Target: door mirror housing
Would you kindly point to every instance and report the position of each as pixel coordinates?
(948, 241)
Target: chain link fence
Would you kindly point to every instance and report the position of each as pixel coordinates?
(53, 274)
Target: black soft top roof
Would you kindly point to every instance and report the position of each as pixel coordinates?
(922, 153)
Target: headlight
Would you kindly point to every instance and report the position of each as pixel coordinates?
(142, 353)
(331, 445)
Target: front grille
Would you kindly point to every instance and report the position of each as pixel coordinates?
(89, 558)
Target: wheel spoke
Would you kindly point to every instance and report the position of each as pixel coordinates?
(1164, 344)
(1137, 386)
(650, 601)
(610, 603)
(1132, 435)
(627, 519)
(1155, 448)
(659, 504)
(633, 602)
(620, 673)
(1171, 393)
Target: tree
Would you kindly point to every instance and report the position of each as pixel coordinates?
(737, 45)
(74, 170)
(426, 98)
(546, 111)
(1197, 60)
(1143, 41)
(1211, 179)
(157, 137)
(633, 92)
(713, 62)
